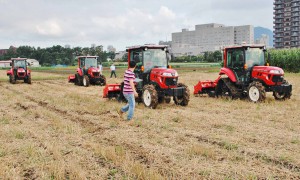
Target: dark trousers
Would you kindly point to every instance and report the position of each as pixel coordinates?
(113, 72)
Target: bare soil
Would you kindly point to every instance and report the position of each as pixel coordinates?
(53, 129)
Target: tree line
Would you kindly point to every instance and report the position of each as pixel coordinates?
(56, 54)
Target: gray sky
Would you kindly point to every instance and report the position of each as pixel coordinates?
(121, 23)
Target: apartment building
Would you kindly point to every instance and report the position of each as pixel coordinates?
(286, 23)
(209, 37)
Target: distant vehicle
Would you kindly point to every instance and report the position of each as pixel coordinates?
(87, 72)
(19, 71)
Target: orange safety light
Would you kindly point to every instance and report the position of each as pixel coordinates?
(142, 68)
(268, 64)
(169, 66)
(245, 66)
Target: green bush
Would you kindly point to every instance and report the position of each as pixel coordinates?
(287, 59)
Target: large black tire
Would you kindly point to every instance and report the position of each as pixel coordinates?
(102, 80)
(150, 97)
(86, 81)
(184, 100)
(78, 80)
(27, 80)
(256, 92)
(222, 90)
(12, 79)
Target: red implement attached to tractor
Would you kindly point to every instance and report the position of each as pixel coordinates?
(156, 81)
(245, 73)
(19, 71)
(87, 72)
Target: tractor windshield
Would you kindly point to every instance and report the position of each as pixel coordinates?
(154, 58)
(90, 62)
(255, 56)
(21, 64)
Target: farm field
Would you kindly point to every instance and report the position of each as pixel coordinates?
(52, 129)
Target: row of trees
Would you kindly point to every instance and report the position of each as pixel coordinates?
(288, 59)
(215, 56)
(56, 54)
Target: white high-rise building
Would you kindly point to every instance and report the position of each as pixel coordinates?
(210, 37)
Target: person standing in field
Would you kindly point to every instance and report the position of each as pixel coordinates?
(129, 91)
(100, 68)
(113, 70)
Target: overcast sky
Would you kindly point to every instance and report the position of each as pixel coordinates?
(120, 23)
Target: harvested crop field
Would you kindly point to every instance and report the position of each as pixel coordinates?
(52, 129)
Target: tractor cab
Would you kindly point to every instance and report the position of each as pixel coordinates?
(241, 60)
(148, 57)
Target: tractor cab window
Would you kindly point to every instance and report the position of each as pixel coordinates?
(235, 58)
(154, 58)
(90, 62)
(82, 64)
(255, 57)
(21, 64)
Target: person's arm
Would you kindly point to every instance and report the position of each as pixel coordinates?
(133, 87)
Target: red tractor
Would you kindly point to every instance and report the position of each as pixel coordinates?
(19, 71)
(155, 80)
(245, 73)
(87, 72)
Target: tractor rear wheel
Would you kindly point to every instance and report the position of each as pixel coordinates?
(86, 81)
(256, 92)
(150, 97)
(184, 100)
(102, 80)
(78, 80)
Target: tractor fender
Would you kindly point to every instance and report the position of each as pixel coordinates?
(229, 73)
(9, 72)
(79, 71)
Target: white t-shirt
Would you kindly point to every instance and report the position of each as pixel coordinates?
(112, 67)
(100, 67)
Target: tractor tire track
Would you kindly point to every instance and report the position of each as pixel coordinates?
(262, 157)
(95, 129)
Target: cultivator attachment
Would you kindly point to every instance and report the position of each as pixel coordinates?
(205, 87)
(112, 91)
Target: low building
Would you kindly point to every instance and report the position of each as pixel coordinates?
(33, 63)
(5, 64)
(210, 37)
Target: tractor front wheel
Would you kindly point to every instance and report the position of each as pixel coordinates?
(150, 97)
(27, 80)
(256, 92)
(12, 79)
(183, 100)
(86, 81)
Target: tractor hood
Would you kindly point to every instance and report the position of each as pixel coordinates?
(21, 70)
(164, 72)
(268, 69)
(93, 70)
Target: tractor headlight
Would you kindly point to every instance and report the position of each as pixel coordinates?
(170, 74)
(276, 71)
(167, 74)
